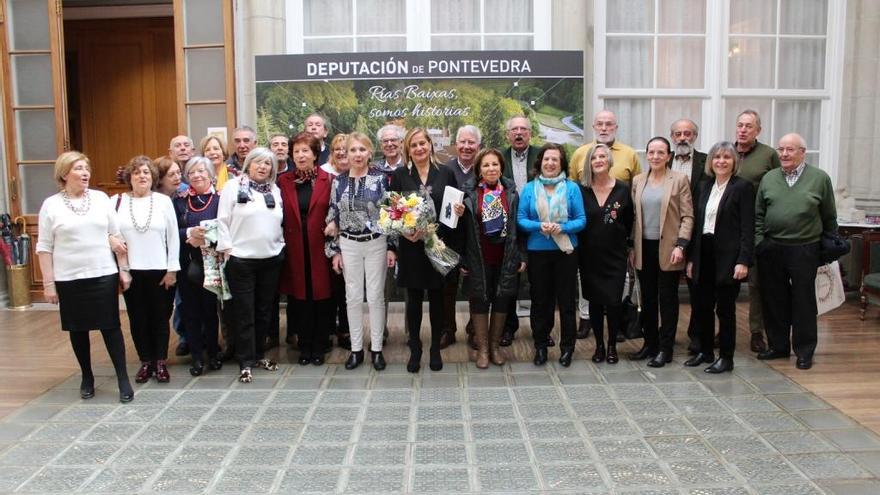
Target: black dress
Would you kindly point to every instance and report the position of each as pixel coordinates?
(602, 246)
(414, 268)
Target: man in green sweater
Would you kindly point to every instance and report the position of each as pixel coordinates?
(755, 160)
(793, 206)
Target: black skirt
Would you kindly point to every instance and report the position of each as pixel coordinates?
(89, 304)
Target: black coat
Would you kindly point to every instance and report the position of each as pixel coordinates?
(734, 239)
(602, 246)
(698, 173)
(414, 270)
(514, 247)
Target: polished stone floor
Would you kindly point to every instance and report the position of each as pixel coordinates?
(621, 429)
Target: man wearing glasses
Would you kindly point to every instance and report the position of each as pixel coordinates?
(626, 162)
(390, 139)
(793, 206)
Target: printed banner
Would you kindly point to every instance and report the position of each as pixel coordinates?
(439, 91)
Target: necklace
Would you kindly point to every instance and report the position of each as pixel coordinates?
(193, 208)
(79, 210)
(134, 223)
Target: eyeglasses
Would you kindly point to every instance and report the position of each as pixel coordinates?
(790, 150)
(390, 141)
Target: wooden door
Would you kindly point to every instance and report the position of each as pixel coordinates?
(122, 90)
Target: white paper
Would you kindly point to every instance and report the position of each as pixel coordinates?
(446, 215)
(829, 287)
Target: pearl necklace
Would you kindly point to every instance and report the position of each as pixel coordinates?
(79, 210)
(140, 228)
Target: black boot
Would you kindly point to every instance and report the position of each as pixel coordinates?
(355, 359)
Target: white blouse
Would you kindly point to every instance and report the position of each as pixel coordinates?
(159, 247)
(712, 206)
(249, 230)
(79, 244)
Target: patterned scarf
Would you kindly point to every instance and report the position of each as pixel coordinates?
(554, 208)
(302, 176)
(494, 216)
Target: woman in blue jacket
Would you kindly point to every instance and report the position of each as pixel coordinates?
(550, 214)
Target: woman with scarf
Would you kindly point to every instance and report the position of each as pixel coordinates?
(423, 174)
(199, 305)
(663, 224)
(603, 248)
(251, 240)
(493, 255)
(551, 213)
(305, 274)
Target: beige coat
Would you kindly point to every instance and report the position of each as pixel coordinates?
(676, 217)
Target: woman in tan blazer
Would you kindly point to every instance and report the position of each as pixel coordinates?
(662, 230)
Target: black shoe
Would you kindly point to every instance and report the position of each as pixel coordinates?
(540, 356)
(583, 330)
(660, 359)
(182, 348)
(318, 359)
(772, 354)
(506, 339)
(804, 363)
(378, 361)
(436, 360)
(197, 368)
(415, 361)
(565, 358)
(599, 355)
(644, 353)
(214, 363)
(354, 360)
(720, 366)
(612, 354)
(305, 358)
(87, 388)
(126, 394)
(699, 359)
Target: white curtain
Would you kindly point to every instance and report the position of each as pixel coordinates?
(386, 18)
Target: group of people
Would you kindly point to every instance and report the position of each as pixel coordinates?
(218, 237)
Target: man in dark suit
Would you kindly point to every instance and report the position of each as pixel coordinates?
(690, 162)
(519, 165)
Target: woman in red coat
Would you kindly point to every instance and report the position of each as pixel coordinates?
(305, 276)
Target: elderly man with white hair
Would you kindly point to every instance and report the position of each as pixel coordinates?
(794, 205)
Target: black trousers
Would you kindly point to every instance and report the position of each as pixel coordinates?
(253, 284)
(199, 317)
(311, 321)
(711, 297)
(495, 304)
(414, 299)
(149, 308)
(659, 291)
(788, 292)
(553, 278)
(340, 309)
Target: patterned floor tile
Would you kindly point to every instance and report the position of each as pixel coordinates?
(57, 480)
(116, 480)
(798, 442)
(380, 454)
(310, 480)
(375, 480)
(552, 451)
(439, 453)
(87, 454)
(637, 474)
(685, 447)
(611, 449)
(238, 480)
(506, 452)
(506, 478)
(701, 471)
(766, 469)
(176, 480)
(441, 480)
(496, 431)
(828, 465)
(260, 456)
(609, 427)
(544, 430)
(319, 455)
(201, 455)
(572, 477)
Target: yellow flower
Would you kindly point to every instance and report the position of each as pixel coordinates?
(409, 220)
(412, 201)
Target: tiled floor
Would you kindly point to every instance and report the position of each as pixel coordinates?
(518, 429)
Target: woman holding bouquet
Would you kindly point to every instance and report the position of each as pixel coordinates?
(362, 253)
(551, 212)
(492, 256)
(422, 174)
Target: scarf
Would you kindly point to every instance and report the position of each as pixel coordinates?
(301, 176)
(494, 216)
(554, 208)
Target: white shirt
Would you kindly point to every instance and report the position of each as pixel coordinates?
(79, 244)
(519, 167)
(159, 247)
(685, 167)
(249, 230)
(712, 206)
(329, 169)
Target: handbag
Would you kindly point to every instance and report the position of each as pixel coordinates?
(829, 288)
(195, 272)
(831, 247)
(632, 313)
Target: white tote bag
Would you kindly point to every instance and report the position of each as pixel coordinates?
(829, 287)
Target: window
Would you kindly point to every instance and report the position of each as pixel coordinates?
(325, 26)
(659, 60)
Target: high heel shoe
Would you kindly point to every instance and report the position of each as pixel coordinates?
(612, 354)
(599, 355)
(565, 358)
(436, 360)
(540, 356)
(354, 360)
(126, 393)
(415, 361)
(87, 388)
(660, 359)
(700, 358)
(644, 353)
(378, 360)
(720, 366)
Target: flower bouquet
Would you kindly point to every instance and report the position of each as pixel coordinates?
(409, 214)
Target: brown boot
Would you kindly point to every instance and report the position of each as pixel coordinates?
(495, 331)
(481, 336)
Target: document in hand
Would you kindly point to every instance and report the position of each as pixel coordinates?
(446, 215)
